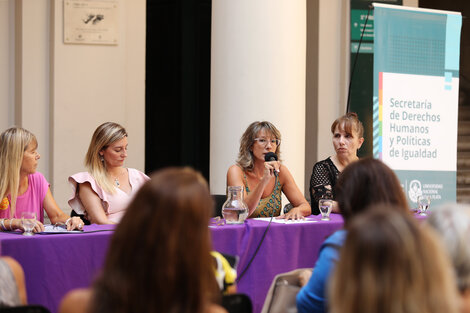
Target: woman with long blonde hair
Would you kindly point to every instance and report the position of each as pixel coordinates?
(103, 193)
(22, 188)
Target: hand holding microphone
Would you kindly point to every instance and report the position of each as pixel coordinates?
(272, 157)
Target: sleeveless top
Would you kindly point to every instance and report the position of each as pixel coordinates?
(271, 205)
(9, 295)
(30, 201)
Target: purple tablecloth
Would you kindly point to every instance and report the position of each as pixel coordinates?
(285, 247)
(55, 264)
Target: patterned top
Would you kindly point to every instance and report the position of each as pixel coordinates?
(269, 206)
(8, 288)
(322, 182)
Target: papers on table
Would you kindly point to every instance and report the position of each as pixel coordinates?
(52, 229)
(283, 221)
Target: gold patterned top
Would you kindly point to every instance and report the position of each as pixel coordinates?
(269, 206)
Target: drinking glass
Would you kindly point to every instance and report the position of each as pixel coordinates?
(28, 221)
(423, 204)
(325, 206)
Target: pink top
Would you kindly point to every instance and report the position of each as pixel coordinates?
(114, 204)
(32, 200)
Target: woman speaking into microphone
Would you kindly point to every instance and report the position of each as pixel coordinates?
(259, 170)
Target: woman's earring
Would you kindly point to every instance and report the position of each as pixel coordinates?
(101, 158)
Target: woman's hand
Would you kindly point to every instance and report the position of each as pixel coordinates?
(304, 277)
(293, 214)
(74, 223)
(15, 223)
(270, 168)
(38, 227)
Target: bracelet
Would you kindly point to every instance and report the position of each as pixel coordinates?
(2, 224)
(67, 221)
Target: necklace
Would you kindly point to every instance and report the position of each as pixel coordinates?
(116, 182)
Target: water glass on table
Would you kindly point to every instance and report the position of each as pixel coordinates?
(423, 204)
(325, 206)
(28, 222)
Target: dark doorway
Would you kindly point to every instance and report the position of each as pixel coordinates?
(177, 99)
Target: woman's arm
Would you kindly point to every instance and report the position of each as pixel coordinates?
(235, 178)
(296, 198)
(92, 204)
(18, 274)
(56, 215)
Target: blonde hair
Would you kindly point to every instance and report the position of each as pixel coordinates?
(105, 135)
(245, 155)
(13, 143)
(391, 264)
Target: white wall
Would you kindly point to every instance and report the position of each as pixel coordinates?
(333, 69)
(257, 73)
(7, 64)
(92, 84)
(63, 92)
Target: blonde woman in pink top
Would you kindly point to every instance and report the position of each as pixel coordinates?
(22, 188)
(103, 193)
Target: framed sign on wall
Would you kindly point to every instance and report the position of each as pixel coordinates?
(91, 22)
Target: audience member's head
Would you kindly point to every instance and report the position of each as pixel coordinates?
(391, 264)
(254, 130)
(366, 182)
(159, 258)
(452, 223)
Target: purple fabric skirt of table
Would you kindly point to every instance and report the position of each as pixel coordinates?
(55, 264)
(285, 247)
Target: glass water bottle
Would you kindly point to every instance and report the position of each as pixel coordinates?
(234, 209)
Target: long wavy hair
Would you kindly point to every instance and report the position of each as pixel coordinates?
(13, 143)
(365, 182)
(159, 258)
(245, 155)
(390, 264)
(105, 135)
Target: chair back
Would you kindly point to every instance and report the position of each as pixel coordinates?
(237, 303)
(25, 309)
(219, 200)
(82, 216)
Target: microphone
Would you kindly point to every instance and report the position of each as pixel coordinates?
(271, 156)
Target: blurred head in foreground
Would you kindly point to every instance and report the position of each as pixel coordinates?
(366, 182)
(452, 222)
(159, 259)
(390, 264)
